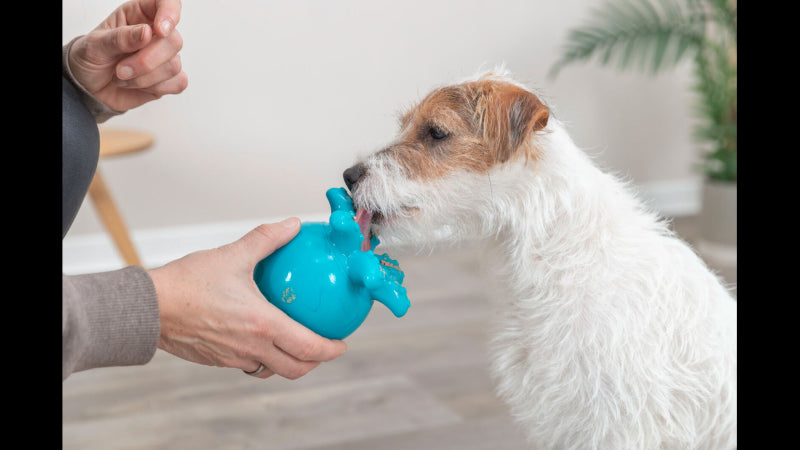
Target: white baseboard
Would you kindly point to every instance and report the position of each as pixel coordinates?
(95, 252)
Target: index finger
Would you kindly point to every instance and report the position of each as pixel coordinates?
(168, 13)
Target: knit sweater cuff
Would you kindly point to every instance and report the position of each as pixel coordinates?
(110, 319)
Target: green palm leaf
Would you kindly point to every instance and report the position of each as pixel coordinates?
(654, 34)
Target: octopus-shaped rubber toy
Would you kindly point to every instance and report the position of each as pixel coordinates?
(328, 276)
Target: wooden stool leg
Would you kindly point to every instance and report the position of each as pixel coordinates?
(112, 220)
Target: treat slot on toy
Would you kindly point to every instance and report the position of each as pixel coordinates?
(386, 263)
(328, 276)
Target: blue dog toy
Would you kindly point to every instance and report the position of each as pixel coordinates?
(323, 279)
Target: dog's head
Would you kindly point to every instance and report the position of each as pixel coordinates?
(438, 177)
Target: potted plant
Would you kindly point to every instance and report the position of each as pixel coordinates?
(656, 35)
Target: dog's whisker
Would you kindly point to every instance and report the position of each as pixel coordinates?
(491, 191)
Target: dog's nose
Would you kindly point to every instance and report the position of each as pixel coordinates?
(353, 174)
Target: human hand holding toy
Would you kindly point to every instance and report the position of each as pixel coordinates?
(327, 277)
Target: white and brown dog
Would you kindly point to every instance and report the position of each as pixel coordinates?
(613, 333)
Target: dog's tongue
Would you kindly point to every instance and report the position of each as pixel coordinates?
(364, 219)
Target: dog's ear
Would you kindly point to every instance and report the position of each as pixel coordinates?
(509, 115)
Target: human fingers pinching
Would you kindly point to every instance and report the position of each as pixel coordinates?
(159, 53)
(168, 71)
(115, 42)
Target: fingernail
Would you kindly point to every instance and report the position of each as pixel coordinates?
(139, 34)
(291, 222)
(124, 72)
(166, 26)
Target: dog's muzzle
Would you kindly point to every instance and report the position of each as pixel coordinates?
(352, 175)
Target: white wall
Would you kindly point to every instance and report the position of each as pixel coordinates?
(284, 95)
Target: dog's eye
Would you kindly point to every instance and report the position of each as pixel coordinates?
(437, 133)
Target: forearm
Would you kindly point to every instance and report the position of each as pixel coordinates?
(108, 319)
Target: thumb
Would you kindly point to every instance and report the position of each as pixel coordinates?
(167, 16)
(266, 238)
(123, 40)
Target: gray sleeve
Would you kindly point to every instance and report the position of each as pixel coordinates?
(99, 110)
(108, 319)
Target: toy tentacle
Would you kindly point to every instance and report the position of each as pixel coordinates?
(393, 296)
(382, 281)
(345, 233)
(339, 200)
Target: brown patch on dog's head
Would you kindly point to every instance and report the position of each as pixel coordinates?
(471, 126)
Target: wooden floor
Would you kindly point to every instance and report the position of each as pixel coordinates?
(418, 382)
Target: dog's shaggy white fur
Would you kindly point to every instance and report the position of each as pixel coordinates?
(613, 333)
